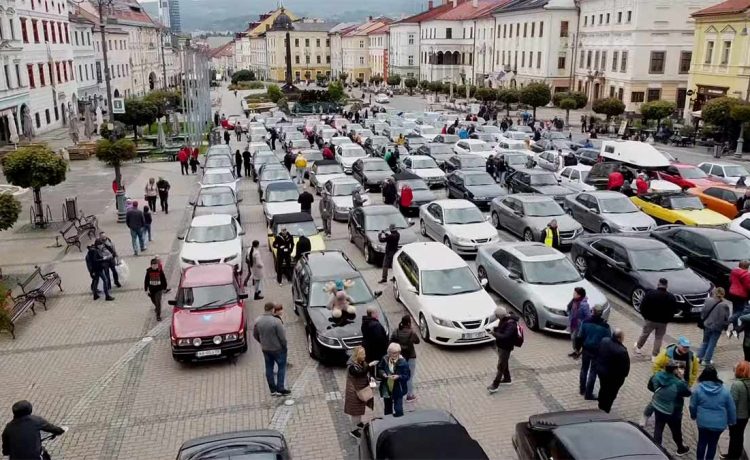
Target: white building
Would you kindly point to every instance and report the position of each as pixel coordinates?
(378, 51)
(404, 41)
(83, 40)
(336, 34)
(14, 85)
(258, 56)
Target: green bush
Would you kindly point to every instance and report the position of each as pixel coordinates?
(10, 209)
(274, 93)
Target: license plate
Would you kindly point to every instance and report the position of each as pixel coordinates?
(201, 354)
(696, 309)
(473, 335)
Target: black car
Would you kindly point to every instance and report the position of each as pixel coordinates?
(439, 152)
(449, 139)
(535, 180)
(367, 222)
(583, 435)
(371, 172)
(587, 156)
(476, 186)
(554, 144)
(514, 160)
(373, 144)
(630, 265)
(431, 433)
(421, 193)
(599, 174)
(330, 339)
(240, 444)
(465, 162)
(711, 252)
(414, 141)
(216, 200)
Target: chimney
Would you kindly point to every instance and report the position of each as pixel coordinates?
(430, 5)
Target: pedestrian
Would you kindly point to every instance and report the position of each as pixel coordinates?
(226, 137)
(583, 123)
(358, 395)
(148, 220)
(658, 307)
(112, 265)
(136, 222)
(612, 367)
(445, 129)
(327, 152)
(374, 336)
(506, 335)
(501, 169)
(97, 268)
(740, 391)
(289, 160)
(183, 156)
(405, 199)
(238, 162)
(393, 373)
(391, 240)
(615, 180)
(303, 246)
(578, 311)
(270, 333)
(669, 390)
(390, 194)
(284, 244)
(739, 291)
(194, 161)
(551, 235)
(680, 353)
(155, 283)
(151, 192)
(162, 186)
(300, 163)
(274, 136)
(22, 438)
(305, 201)
(713, 409)
(714, 320)
(357, 199)
(326, 207)
(247, 160)
(490, 166)
(216, 118)
(255, 269)
(590, 335)
(407, 338)
(238, 130)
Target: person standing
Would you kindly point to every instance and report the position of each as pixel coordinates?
(274, 136)
(714, 320)
(583, 123)
(712, 407)
(358, 395)
(194, 161)
(151, 192)
(578, 311)
(669, 391)
(148, 219)
(303, 246)
(612, 366)
(247, 160)
(391, 240)
(238, 162)
(136, 222)
(226, 137)
(739, 291)
(740, 392)
(183, 156)
(327, 152)
(390, 194)
(326, 208)
(374, 336)
(300, 163)
(551, 235)
(506, 337)
(405, 199)
(155, 283)
(96, 264)
(393, 372)
(284, 244)
(22, 438)
(490, 166)
(657, 309)
(237, 128)
(305, 201)
(255, 268)
(112, 265)
(501, 170)
(270, 333)
(162, 186)
(590, 335)
(289, 160)
(407, 338)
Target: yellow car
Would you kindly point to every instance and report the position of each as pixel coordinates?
(298, 224)
(678, 208)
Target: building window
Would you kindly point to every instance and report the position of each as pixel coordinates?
(67, 34)
(596, 60)
(619, 17)
(510, 31)
(45, 31)
(361, 60)
(561, 62)
(604, 61)
(41, 75)
(636, 96)
(656, 64)
(38, 120)
(600, 18)
(57, 114)
(726, 53)
(630, 16)
(588, 60)
(448, 32)
(411, 60)
(19, 82)
(318, 59)
(24, 32)
(518, 29)
(35, 30)
(615, 57)
(653, 95)
(709, 52)
(30, 72)
(525, 27)
(361, 43)
(581, 59)
(307, 43)
(533, 26)
(624, 62)
(328, 59)
(411, 39)
(317, 42)
(585, 21)
(685, 58)
(539, 60)
(505, 29)
(296, 42)
(296, 59)
(611, 91)
(523, 59)
(563, 29)
(620, 93)
(607, 18)
(46, 116)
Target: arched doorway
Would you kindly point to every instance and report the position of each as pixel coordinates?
(151, 81)
(116, 93)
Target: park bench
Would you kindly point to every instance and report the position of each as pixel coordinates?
(38, 284)
(72, 236)
(87, 224)
(16, 307)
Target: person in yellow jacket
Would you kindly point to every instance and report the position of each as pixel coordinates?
(401, 140)
(301, 164)
(551, 235)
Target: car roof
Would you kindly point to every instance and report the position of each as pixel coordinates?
(709, 232)
(405, 175)
(343, 180)
(216, 189)
(211, 220)
(455, 204)
(636, 242)
(329, 265)
(529, 251)
(605, 193)
(606, 440)
(531, 197)
(436, 255)
(371, 160)
(218, 171)
(579, 167)
(207, 275)
(473, 172)
(326, 162)
(534, 171)
(683, 165)
(281, 185)
(378, 209)
(716, 163)
(290, 217)
(474, 141)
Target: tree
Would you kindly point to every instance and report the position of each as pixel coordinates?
(485, 94)
(360, 80)
(572, 101)
(411, 83)
(274, 93)
(656, 110)
(242, 75)
(535, 95)
(34, 167)
(138, 112)
(717, 111)
(436, 87)
(424, 85)
(508, 96)
(336, 91)
(343, 76)
(611, 107)
(394, 80)
(10, 209)
(115, 153)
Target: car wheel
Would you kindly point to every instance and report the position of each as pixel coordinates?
(495, 220)
(581, 265)
(528, 235)
(422, 228)
(424, 329)
(530, 316)
(396, 294)
(312, 347)
(369, 257)
(636, 297)
(482, 275)
(606, 229)
(447, 243)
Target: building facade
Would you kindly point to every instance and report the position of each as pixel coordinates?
(355, 50)
(84, 56)
(378, 51)
(246, 49)
(336, 36)
(404, 41)
(310, 47)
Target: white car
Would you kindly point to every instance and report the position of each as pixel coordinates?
(574, 178)
(509, 144)
(280, 198)
(341, 190)
(439, 289)
(253, 147)
(458, 224)
(474, 146)
(426, 168)
(212, 239)
(347, 154)
(426, 131)
(741, 225)
(549, 160)
(257, 134)
(382, 98)
(340, 140)
(725, 172)
(516, 136)
(219, 149)
(219, 176)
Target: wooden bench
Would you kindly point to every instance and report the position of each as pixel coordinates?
(17, 306)
(87, 224)
(38, 284)
(72, 236)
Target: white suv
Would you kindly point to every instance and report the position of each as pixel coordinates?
(212, 239)
(440, 290)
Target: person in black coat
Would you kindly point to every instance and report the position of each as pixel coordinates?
(658, 307)
(506, 334)
(21, 437)
(238, 162)
(284, 244)
(490, 166)
(374, 336)
(303, 246)
(246, 158)
(390, 194)
(226, 137)
(612, 365)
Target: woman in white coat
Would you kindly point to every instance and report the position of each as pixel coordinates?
(255, 268)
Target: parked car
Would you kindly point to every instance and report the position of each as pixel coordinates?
(527, 214)
(424, 167)
(446, 139)
(686, 176)
(727, 173)
(272, 172)
(217, 162)
(430, 280)
(438, 152)
(608, 212)
(465, 162)
(474, 146)
(260, 158)
(538, 181)
(328, 339)
(677, 208)
(599, 174)
(459, 224)
(208, 314)
(217, 176)
(574, 177)
(280, 198)
(373, 144)
(243, 444)
(253, 147)
(550, 160)
(212, 239)
(341, 190)
(514, 159)
(630, 265)
(367, 222)
(587, 156)
(476, 186)
(563, 144)
(297, 224)
(421, 193)
(537, 280)
(741, 225)
(323, 171)
(216, 199)
(347, 154)
(719, 198)
(427, 132)
(371, 172)
(382, 98)
(414, 141)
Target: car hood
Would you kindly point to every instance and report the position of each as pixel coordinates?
(630, 219)
(680, 281)
(422, 196)
(429, 172)
(281, 207)
(321, 318)
(476, 305)
(230, 209)
(207, 251)
(349, 161)
(557, 296)
(565, 223)
(475, 231)
(552, 189)
(377, 176)
(701, 217)
(187, 323)
(323, 178)
(406, 236)
(490, 190)
(344, 201)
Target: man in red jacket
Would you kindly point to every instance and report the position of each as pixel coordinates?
(615, 181)
(641, 185)
(739, 291)
(327, 152)
(183, 156)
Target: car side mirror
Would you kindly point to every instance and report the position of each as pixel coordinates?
(593, 211)
(239, 200)
(242, 296)
(514, 276)
(518, 213)
(180, 237)
(172, 302)
(484, 282)
(411, 288)
(378, 293)
(242, 232)
(624, 266)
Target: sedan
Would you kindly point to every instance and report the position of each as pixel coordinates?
(727, 173)
(438, 152)
(574, 178)
(538, 181)
(719, 198)
(260, 158)
(421, 193)
(476, 186)
(458, 224)
(218, 162)
(427, 131)
(587, 156)
(686, 176)
(527, 215)
(465, 162)
(449, 139)
(347, 154)
(554, 144)
(474, 146)
(323, 171)
(341, 190)
(608, 212)
(426, 168)
(280, 198)
(271, 173)
(250, 443)
(366, 223)
(216, 200)
(371, 172)
(220, 177)
(215, 238)
(382, 98)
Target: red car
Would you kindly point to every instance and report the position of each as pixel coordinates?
(686, 176)
(228, 123)
(208, 316)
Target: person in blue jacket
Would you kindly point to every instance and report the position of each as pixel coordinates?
(393, 373)
(712, 407)
(590, 335)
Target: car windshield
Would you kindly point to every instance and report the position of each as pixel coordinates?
(352, 153)
(357, 290)
(450, 138)
(274, 174)
(306, 228)
(219, 161)
(294, 135)
(441, 149)
(213, 179)
(366, 133)
(329, 169)
(732, 250)
(212, 234)
(416, 140)
(377, 222)
(375, 166)
(378, 140)
(206, 297)
(543, 179)
(479, 147)
(558, 271)
(285, 194)
(692, 173)
(735, 171)
(415, 184)
(655, 260)
(687, 203)
(344, 188)
(555, 135)
(429, 131)
(470, 215)
(216, 199)
(513, 160)
(450, 281)
(478, 179)
(617, 205)
(423, 163)
(487, 137)
(327, 133)
(542, 209)
(263, 159)
(490, 129)
(472, 162)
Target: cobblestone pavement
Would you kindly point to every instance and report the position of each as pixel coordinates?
(105, 368)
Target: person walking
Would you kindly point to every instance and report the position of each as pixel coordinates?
(681, 354)
(162, 186)
(714, 320)
(374, 336)
(155, 283)
(96, 266)
(590, 335)
(489, 166)
(183, 156)
(612, 367)
(405, 336)
(289, 160)
(669, 390)
(713, 409)
(358, 395)
(194, 161)
(551, 235)
(151, 192)
(390, 194)
(238, 162)
(391, 240)
(300, 163)
(739, 291)
(270, 333)
(274, 136)
(357, 199)
(136, 222)
(255, 269)
(393, 373)
(658, 307)
(305, 200)
(284, 244)
(112, 265)
(326, 208)
(506, 335)
(22, 438)
(237, 128)
(148, 219)
(226, 136)
(247, 161)
(740, 392)
(578, 311)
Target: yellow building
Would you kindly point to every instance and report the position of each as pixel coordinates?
(721, 64)
(310, 49)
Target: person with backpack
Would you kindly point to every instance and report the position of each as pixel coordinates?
(740, 392)
(713, 320)
(590, 335)
(712, 408)
(508, 335)
(669, 390)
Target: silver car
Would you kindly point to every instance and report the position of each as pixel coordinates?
(606, 211)
(537, 280)
(527, 215)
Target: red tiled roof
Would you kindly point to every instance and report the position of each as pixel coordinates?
(367, 27)
(380, 30)
(225, 50)
(727, 7)
(467, 10)
(130, 10)
(426, 15)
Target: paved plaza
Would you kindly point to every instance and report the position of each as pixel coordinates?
(105, 368)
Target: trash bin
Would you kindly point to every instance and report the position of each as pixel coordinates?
(71, 209)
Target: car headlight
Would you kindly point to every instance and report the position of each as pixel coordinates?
(187, 261)
(232, 257)
(197, 342)
(231, 337)
(183, 342)
(463, 240)
(442, 322)
(556, 311)
(679, 298)
(329, 341)
(217, 340)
